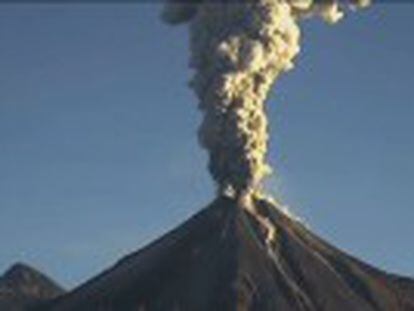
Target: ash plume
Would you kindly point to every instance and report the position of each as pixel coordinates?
(239, 48)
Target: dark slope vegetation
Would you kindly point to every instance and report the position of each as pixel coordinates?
(218, 260)
(22, 287)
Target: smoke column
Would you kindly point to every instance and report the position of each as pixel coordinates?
(238, 50)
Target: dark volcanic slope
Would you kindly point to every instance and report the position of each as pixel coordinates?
(218, 261)
(22, 286)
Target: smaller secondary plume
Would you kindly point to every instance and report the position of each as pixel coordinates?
(238, 50)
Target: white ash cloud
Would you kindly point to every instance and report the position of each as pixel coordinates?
(238, 50)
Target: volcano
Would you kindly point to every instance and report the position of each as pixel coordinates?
(219, 260)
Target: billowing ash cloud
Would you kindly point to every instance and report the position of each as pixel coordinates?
(238, 50)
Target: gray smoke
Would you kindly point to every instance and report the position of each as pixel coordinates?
(238, 50)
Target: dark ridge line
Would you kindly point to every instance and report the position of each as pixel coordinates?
(296, 271)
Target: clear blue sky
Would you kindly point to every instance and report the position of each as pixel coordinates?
(98, 152)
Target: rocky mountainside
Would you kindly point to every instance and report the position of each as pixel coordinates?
(22, 287)
(219, 260)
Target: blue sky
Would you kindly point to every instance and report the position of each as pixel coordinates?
(98, 152)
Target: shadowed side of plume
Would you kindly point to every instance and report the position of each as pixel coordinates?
(219, 260)
(22, 287)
